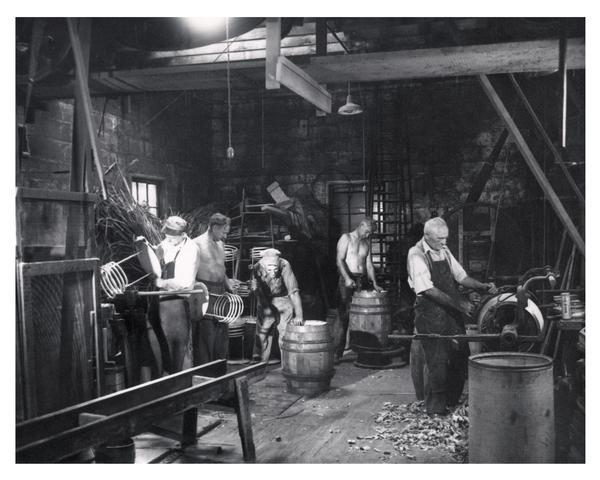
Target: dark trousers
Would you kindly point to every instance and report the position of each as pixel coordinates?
(211, 340)
(438, 369)
(344, 300)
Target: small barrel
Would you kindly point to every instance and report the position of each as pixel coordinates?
(511, 408)
(370, 320)
(307, 357)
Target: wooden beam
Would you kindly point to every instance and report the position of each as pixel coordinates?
(532, 163)
(127, 421)
(272, 51)
(53, 423)
(81, 82)
(321, 36)
(299, 82)
(486, 169)
(531, 56)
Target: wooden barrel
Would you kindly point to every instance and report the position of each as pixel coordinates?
(511, 408)
(307, 357)
(370, 320)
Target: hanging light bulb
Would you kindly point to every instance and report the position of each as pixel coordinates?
(350, 108)
(230, 150)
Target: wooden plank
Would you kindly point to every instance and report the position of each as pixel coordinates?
(27, 193)
(128, 422)
(59, 267)
(532, 163)
(80, 177)
(299, 82)
(244, 420)
(55, 422)
(272, 53)
(530, 56)
(81, 82)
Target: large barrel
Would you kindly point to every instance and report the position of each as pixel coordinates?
(307, 357)
(511, 408)
(370, 320)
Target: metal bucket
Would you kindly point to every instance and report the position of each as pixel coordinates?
(511, 408)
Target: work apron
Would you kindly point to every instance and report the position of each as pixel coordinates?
(445, 362)
(176, 326)
(210, 336)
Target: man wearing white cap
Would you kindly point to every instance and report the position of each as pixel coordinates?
(179, 261)
(278, 295)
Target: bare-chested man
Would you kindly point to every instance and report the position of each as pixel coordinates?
(356, 269)
(211, 337)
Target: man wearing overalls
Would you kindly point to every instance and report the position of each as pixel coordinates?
(433, 273)
(179, 261)
(278, 297)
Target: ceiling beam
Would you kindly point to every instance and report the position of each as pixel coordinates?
(299, 82)
(514, 57)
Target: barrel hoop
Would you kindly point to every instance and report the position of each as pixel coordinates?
(327, 349)
(307, 342)
(474, 362)
(295, 376)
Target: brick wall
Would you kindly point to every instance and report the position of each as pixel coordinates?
(158, 136)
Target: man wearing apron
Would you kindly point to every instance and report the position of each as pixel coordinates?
(433, 273)
(179, 261)
(211, 336)
(278, 297)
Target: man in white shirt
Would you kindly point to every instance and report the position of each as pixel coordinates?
(433, 273)
(179, 260)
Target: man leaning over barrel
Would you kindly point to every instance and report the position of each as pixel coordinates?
(356, 269)
(433, 273)
(278, 298)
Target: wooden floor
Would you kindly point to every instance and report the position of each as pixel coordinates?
(289, 428)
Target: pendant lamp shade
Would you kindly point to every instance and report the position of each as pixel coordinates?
(350, 108)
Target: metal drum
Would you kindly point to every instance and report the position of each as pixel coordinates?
(511, 408)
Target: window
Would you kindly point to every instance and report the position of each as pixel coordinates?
(146, 194)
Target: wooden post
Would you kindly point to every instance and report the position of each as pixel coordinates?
(272, 49)
(532, 163)
(242, 410)
(82, 86)
(190, 427)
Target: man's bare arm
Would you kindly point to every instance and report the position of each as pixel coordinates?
(342, 250)
(436, 295)
(371, 270)
(470, 282)
(297, 303)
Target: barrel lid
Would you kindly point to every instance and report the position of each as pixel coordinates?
(513, 361)
(370, 294)
(308, 325)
